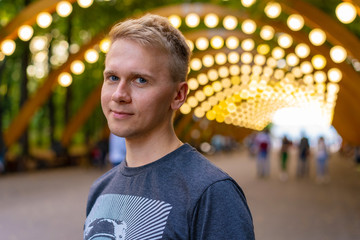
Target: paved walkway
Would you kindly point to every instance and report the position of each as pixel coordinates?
(50, 204)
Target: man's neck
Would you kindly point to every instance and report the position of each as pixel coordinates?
(145, 150)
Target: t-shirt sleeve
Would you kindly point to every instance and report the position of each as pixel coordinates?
(222, 213)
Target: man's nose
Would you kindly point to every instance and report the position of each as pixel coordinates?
(122, 92)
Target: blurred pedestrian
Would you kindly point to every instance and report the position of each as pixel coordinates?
(117, 149)
(322, 157)
(357, 158)
(304, 152)
(284, 155)
(263, 144)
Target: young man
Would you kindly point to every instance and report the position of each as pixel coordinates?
(164, 189)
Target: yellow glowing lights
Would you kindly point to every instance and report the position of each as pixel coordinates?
(232, 42)
(285, 40)
(208, 90)
(175, 20)
(208, 60)
(105, 45)
(346, 12)
(193, 84)
(64, 8)
(302, 50)
(202, 79)
(217, 42)
(220, 58)
(85, 3)
(248, 44)
(320, 76)
(295, 22)
(334, 75)
(230, 22)
(248, 26)
(259, 59)
(317, 36)
(246, 57)
(278, 53)
(190, 44)
(318, 61)
(267, 32)
(185, 108)
(8, 47)
(306, 67)
(25, 32)
(247, 3)
(272, 9)
(65, 79)
(192, 20)
(338, 54)
(91, 56)
(192, 101)
(44, 19)
(211, 20)
(202, 43)
(212, 75)
(77, 67)
(195, 64)
(263, 49)
(292, 60)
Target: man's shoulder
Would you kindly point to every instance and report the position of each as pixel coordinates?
(196, 167)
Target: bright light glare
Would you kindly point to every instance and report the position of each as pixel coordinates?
(299, 117)
(295, 121)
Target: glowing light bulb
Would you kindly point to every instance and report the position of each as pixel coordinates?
(285, 40)
(91, 56)
(295, 22)
(334, 75)
(65, 79)
(211, 20)
(272, 9)
(217, 42)
(77, 67)
(64, 8)
(192, 20)
(230, 22)
(248, 44)
(44, 19)
(302, 50)
(346, 12)
(175, 20)
(232, 42)
(267, 32)
(338, 54)
(105, 45)
(85, 3)
(317, 36)
(8, 47)
(318, 61)
(248, 26)
(247, 3)
(25, 32)
(202, 43)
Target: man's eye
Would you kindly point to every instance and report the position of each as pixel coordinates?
(113, 78)
(141, 80)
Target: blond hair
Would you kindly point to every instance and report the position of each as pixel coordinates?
(156, 31)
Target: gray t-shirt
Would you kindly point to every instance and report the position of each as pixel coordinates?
(180, 196)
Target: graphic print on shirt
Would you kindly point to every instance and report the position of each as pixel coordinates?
(116, 217)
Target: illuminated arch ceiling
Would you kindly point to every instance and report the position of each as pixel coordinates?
(244, 73)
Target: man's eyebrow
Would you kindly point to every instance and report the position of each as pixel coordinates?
(109, 72)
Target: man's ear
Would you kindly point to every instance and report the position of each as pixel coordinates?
(180, 97)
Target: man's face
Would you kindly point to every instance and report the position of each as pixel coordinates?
(137, 92)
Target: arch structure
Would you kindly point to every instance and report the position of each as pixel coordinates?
(243, 69)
